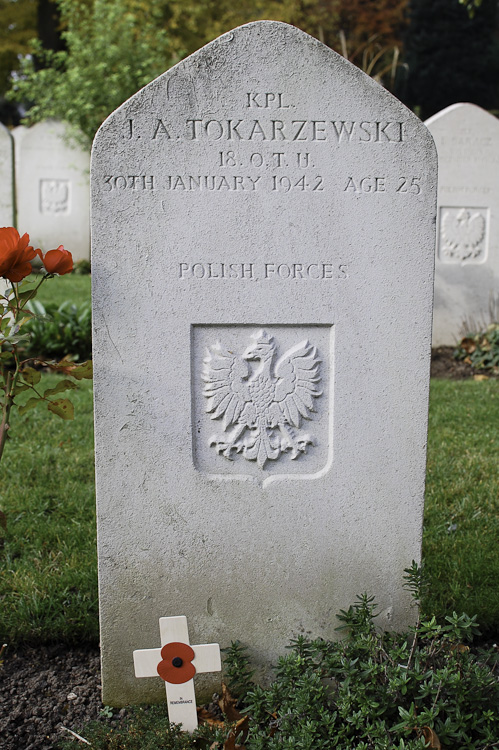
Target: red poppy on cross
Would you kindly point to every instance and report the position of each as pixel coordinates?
(176, 662)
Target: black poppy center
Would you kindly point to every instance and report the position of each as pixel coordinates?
(177, 661)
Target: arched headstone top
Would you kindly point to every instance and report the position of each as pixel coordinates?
(212, 79)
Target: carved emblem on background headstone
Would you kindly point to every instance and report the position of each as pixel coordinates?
(54, 196)
(462, 234)
(265, 404)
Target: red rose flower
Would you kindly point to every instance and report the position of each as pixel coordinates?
(176, 666)
(58, 261)
(15, 254)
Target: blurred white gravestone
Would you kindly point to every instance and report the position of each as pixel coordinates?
(6, 178)
(467, 260)
(262, 268)
(18, 134)
(176, 662)
(52, 189)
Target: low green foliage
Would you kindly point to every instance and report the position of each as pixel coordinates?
(481, 349)
(369, 691)
(147, 728)
(237, 672)
(58, 331)
(144, 729)
(378, 690)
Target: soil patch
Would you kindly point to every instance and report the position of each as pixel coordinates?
(443, 365)
(45, 688)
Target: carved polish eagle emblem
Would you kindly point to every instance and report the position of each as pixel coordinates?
(463, 234)
(262, 406)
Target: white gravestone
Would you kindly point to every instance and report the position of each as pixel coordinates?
(467, 256)
(18, 134)
(52, 189)
(176, 662)
(263, 248)
(6, 178)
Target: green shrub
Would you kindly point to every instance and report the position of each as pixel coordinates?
(379, 691)
(370, 691)
(481, 349)
(112, 49)
(58, 331)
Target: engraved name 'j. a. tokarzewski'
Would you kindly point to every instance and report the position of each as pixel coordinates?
(265, 404)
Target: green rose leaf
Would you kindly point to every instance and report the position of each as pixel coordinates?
(31, 376)
(27, 295)
(62, 407)
(20, 388)
(85, 370)
(64, 385)
(30, 404)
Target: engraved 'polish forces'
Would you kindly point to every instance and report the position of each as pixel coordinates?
(266, 405)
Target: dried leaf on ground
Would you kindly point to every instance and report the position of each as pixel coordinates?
(468, 344)
(460, 648)
(207, 717)
(431, 738)
(240, 732)
(228, 703)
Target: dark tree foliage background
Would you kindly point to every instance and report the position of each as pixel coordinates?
(451, 57)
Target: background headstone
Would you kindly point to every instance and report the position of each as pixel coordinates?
(264, 204)
(467, 254)
(52, 190)
(6, 178)
(18, 134)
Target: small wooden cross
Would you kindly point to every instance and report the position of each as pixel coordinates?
(176, 662)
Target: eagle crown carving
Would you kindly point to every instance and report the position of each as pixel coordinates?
(265, 404)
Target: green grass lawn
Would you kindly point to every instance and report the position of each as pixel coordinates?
(461, 529)
(48, 585)
(73, 287)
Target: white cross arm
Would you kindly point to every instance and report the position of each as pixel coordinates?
(206, 659)
(145, 661)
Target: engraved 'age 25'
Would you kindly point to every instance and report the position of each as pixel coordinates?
(266, 405)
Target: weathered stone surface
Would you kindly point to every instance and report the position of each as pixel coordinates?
(467, 260)
(263, 245)
(6, 178)
(52, 189)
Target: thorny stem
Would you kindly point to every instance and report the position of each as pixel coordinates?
(7, 405)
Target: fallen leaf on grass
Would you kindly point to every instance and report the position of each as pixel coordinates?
(480, 378)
